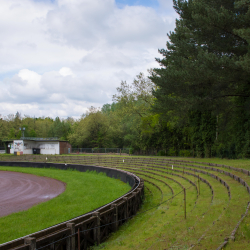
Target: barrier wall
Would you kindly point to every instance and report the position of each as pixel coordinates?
(91, 228)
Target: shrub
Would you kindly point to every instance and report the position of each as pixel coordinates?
(161, 153)
(171, 152)
(185, 153)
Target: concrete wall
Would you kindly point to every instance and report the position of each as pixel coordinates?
(48, 147)
(26, 147)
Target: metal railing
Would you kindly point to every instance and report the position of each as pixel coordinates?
(101, 150)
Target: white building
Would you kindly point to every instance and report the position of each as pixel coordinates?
(38, 146)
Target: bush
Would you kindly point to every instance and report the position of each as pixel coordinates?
(161, 153)
(224, 151)
(131, 151)
(185, 153)
(171, 152)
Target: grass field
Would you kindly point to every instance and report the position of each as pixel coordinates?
(209, 221)
(84, 192)
(211, 217)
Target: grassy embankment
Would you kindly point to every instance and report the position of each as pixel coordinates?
(210, 219)
(84, 192)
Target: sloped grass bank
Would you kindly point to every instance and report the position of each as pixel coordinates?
(84, 192)
(212, 214)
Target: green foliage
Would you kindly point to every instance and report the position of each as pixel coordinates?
(172, 152)
(161, 153)
(34, 127)
(59, 129)
(131, 151)
(185, 153)
(203, 82)
(91, 131)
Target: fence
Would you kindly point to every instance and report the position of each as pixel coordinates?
(100, 150)
(116, 151)
(88, 229)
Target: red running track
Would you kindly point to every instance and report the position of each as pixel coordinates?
(19, 191)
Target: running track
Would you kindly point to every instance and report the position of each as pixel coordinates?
(19, 191)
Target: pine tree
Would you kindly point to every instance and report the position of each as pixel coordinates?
(200, 67)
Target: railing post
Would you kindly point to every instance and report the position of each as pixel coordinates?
(140, 198)
(115, 217)
(71, 243)
(136, 203)
(85, 236)
(52, 246)
(97, 232)
(125, 208)
(199, 184)
(79, 239)
(185, 214)
(31, 241)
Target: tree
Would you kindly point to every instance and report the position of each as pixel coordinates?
(60, 129)
(91, 131)
(204, 70)
(136, 98)
(244, 32)
(200, 67)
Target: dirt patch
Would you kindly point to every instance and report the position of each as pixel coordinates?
(19, 191)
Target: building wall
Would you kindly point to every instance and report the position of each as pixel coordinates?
(11, 148)
(46, 147)
(64, 147)
(28, 147)
(49, 148)
(18, 145)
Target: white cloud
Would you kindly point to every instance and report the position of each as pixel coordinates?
(31, 77)
(60, 58)
(64, 71)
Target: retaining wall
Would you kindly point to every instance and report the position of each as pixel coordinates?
(88, 229)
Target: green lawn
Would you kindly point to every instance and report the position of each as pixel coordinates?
(84, 192)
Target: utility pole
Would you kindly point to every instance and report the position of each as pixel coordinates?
(22, 130)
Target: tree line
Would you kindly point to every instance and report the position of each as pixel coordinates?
(196, 103)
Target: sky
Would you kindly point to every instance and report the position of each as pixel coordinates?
(60, 57)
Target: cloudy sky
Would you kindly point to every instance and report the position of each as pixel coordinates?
(59, 57)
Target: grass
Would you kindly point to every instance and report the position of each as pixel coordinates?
(165, 228)
(84, 192)
(210, 219)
